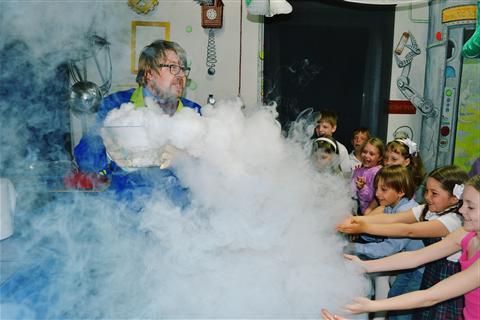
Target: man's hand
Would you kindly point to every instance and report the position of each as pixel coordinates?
(114, 151)
(168, 156)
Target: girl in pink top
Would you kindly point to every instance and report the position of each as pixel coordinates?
(471, 243)
(472, 298)
(466, 282)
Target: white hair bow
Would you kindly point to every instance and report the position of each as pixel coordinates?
(458, 191)
(412, 146)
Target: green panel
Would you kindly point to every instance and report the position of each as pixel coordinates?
(467, 142)
(471, 49)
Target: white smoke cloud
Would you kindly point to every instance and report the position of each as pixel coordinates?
(256, 240)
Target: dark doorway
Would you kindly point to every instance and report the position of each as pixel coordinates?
(330, 54)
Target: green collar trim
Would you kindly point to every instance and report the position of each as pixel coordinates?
(138, 102)
(137, 98)
(180, 105)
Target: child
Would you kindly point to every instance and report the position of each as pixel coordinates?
(404, 151)
(435, 219)
(359, 137)
(363, 177)
(326, 127)
(325, 155)
(466, 282)
(395, 189)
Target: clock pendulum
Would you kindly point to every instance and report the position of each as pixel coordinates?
(212, 18)
(211, 53)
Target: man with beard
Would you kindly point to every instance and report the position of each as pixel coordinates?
(162, 75)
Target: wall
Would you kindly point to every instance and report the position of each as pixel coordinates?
(185, 28)
(413, 18)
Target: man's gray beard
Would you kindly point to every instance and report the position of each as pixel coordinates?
(166, 100)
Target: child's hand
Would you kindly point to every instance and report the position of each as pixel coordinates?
(353, 258)
(326, 315)
(352, 225)
(357, 261)
(345, 221)
(360, 182)
(361, 305)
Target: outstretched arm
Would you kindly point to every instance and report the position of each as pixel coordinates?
(453, 286)
(355, 225)
(401, 217)
(424, 229)
(413, 259)
(385, 248)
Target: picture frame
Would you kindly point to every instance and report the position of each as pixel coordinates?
(144, 33)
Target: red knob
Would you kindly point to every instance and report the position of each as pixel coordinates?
(445, 131)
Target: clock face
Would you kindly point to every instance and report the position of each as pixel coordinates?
(211, 14)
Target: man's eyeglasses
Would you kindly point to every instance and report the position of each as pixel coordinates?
(175, 69)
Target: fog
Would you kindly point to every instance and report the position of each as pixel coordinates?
(255, 239)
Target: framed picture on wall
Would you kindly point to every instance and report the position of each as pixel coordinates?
(144, 33)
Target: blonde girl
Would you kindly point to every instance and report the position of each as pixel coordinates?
(363, 177)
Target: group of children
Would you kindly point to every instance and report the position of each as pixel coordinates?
(433, 247)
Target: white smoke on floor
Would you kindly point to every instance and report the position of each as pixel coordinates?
(258, 239)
